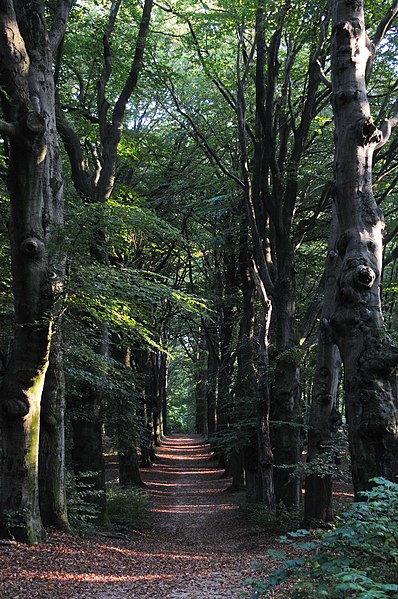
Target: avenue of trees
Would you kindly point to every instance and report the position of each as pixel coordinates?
(198, 228)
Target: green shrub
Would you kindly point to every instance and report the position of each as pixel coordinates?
(257, 515)
(127, 508)
(359, 558)
(82, 500)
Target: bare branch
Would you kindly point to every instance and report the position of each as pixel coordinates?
(391, 257)
(387, 126)
(321, 44)
(381, 31)
(385, 24)
(131, 82)
(102, 104)
(60, 20)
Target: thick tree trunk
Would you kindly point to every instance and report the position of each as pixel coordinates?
(245, 389)
(324, 417)
(285, 398)
(129, 472)
(35, 188)
(370, 361)
(52, 490)
(265, 489)
(87, 456)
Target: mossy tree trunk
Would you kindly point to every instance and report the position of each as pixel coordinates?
(35, 186)
(52, 491)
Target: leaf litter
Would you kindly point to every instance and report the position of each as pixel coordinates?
(195, 547)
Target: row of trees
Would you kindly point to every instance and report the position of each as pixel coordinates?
(191, 150)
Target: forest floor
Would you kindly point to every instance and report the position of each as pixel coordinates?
(195, 546)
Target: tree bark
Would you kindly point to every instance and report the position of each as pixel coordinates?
(52, 489)
(129, 472)
(324, 417)
(370, 360)
(244, 454)
(201, 424)
(35, 186)
(211, 378)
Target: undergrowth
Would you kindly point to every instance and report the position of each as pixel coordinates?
(82, 501)
(258, 516)
(358, 558)
(128, 509)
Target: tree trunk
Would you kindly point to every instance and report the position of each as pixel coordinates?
(35, 186)
(129, 472)
(357, 326)
(201, 424)
(52, 490)
(285, 398)
(211, 379)
(158, 394)
(224, 399)
(87, 456)
(265, 490)
(245, 402)
(324, 417)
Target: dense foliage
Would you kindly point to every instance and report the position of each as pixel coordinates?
(357, 558)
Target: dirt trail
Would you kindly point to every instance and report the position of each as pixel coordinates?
(196, 547)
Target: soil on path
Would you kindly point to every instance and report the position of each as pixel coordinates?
(196, 547)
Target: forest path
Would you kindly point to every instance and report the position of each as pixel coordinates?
(202, 550)
(195, 548)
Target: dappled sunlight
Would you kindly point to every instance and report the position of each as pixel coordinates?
(166, 554)
(199, 508)
(187, 458)
(192, 490)
(182, 484)
(179, 471)
(89, 577)
(342, 494)
(190, 448)
(175, 485)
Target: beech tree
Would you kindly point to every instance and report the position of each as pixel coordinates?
(35, 186)
(94, 179)
(370, 359)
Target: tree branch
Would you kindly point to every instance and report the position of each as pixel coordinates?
(131, 82)
(102, 104)
(387, 126)
(60, 20)
(80, 177)
(381, 31)
(391, 257)
(320, 47)
(384, 25)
